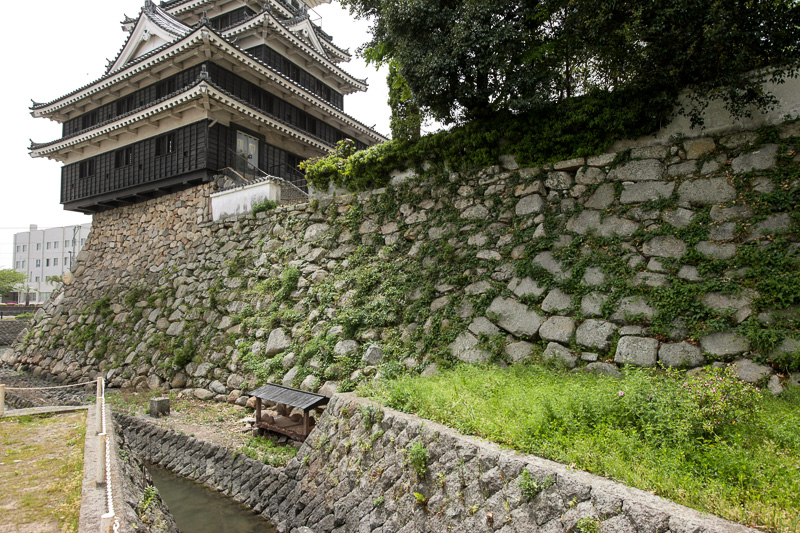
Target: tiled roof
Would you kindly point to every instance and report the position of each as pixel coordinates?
(201, 79)
(288, 396)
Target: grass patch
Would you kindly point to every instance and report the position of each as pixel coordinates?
(267, 451)
(41, 469)
(709, 442)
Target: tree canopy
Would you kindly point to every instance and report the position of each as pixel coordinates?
(10, 280)
(466, 58)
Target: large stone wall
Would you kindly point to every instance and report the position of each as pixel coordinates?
(355, 474)
(680, 254)
(10, 330)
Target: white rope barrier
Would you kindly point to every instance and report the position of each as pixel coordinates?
(51, 388)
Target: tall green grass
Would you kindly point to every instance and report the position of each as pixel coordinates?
(708, 441)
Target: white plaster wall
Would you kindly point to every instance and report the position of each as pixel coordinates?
(241, 200)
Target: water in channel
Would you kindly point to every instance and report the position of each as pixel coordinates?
(199, 509)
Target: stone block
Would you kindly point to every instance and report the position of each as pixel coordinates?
(633, 306)
(555, 351)
(316, 232)
(552, 265)
(482, 325)
(526, 287)
(687, 168)
(529, 205)
(646, 191)
(560, 181)
(557, 329)
(519, 351)
(345, 348)
(592, 303)
(373, 355)
(664, 246)
(278, 342)
(697, 147)
(595, 334)
(606, 369)
(770, 225)
(762, 159)
(590, 176)
(159, 407)
(640, 170)
(570, 164)
(680, 218)
(476, 212)
(725, 302)
(638, 351)
(594, 276)
(750, 371)
(706, 191)
(465, 348)
(680, 355)
(557, 301)
(514, 317)
(724, 343)
(602, 198)
(715, 250)
(736, 212)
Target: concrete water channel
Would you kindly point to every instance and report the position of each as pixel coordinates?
(199, 509)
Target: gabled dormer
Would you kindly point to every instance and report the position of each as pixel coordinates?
(153, 29)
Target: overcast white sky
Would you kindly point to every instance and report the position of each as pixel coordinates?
(54, 47)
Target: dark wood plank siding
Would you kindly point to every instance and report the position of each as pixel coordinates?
(298, 74)
(141, 98)
(272, 105)
(189, 151)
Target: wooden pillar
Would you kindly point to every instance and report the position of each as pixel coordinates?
(2, 400)
(258, 410)
(305, 422)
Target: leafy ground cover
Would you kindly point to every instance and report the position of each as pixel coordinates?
(707, 441)
(41, 468)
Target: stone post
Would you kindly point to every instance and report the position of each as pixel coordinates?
(2, 400)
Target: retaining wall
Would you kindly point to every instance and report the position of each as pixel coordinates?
(10, 330)
(679, 254)
(354, 476)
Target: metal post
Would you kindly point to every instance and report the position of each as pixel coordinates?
(99, 405)
(107, 523)
(101, 458)
(2, 400)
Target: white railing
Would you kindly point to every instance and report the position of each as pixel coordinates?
(108, 521)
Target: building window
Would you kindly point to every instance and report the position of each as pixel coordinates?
(55, 261)
(38, 263)
(37, 279)
(66, 261)
(125, 105)
(16, 264)
(38, 246)
(55, 245)
(123, 157)
(86, 168)
(47, 262)
(24, 247)
(163, 88)
(48, 245)
(88, 120)
(17, 248)
(83, 241)
(165, 144)
(23, 264)
(66, 244)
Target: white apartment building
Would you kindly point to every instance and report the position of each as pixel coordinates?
(40, 253)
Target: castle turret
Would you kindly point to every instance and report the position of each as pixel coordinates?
(200, 86)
